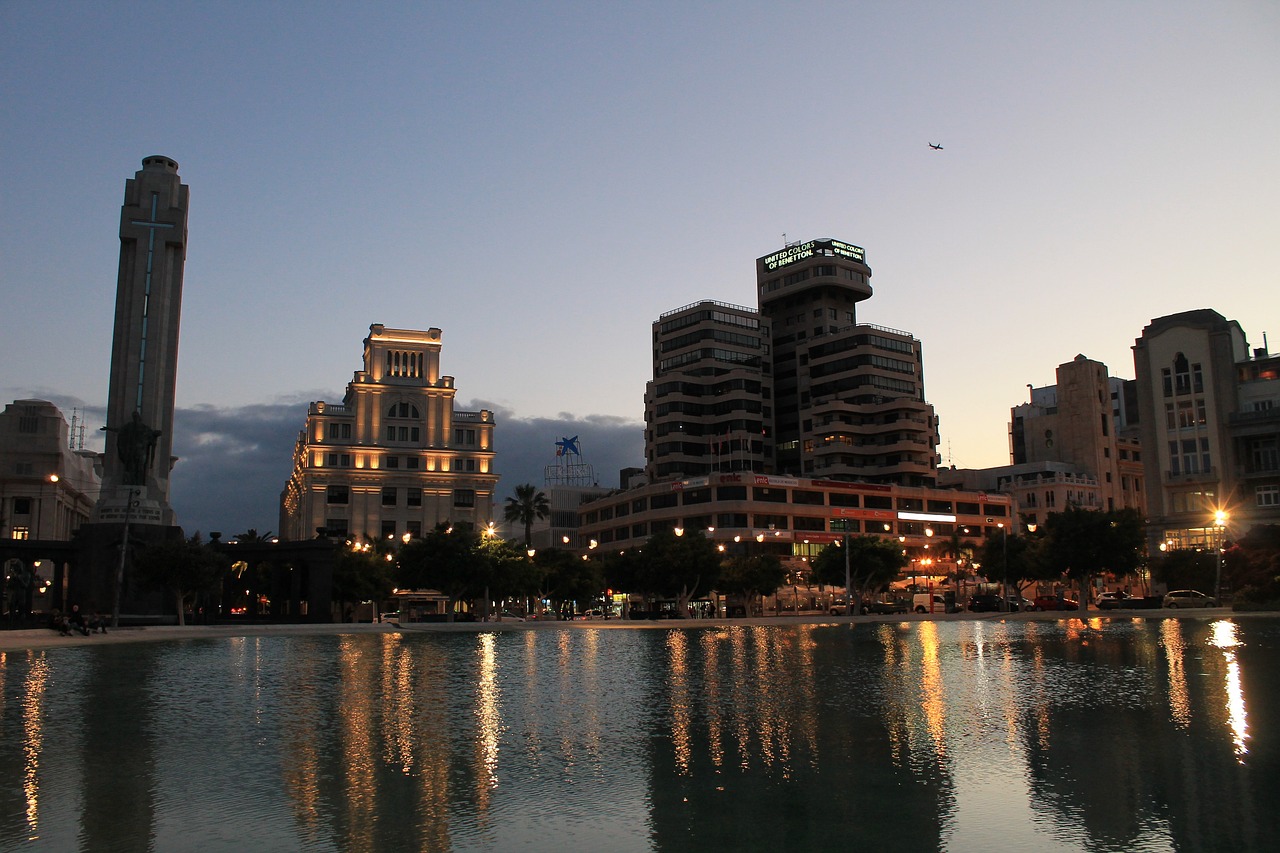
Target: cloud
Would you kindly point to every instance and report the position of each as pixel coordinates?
(234, 462)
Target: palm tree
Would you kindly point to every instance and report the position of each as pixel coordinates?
(527, 506)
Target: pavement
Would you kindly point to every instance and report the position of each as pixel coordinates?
(47, 638)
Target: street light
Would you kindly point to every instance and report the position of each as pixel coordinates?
(1220, 522)
(1004, 550)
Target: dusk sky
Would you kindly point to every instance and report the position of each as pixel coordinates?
(542, 180)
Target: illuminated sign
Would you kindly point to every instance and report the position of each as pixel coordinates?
(926, 516)
(800, 251)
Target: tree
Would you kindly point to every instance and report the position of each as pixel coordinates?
(1082, 542)
(527, 506)
(1024, 556)
(677, 567)
(874, 562)
(252, 537)
(180, 567)
(751, 576)
(361, 573)
(451, 559)
(1252, 567)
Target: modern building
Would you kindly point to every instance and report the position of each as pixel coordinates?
(708, 407)
(1086, 426)
(1210, 420)
(47, 487)
(394, 457)
(849, 399)
(784, 428)
(794, 518)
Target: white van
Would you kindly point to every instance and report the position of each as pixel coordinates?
(934, 602)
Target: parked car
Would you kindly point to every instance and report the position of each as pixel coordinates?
(984, 603)
(1054, 602)
(937, 602)
(1115, 600)
(1188, 598)
(897, 605)
(506, 616)
(1018, 604)
(837, 607)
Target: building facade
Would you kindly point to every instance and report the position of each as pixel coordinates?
(1210, 421)
(47, 488)
(849, 400)
(394, 457)
(1084, 424)
(708, 407)
(794, 518)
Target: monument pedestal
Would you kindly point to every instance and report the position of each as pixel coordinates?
(132, 505)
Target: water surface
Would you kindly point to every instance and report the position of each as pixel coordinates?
(961, 736)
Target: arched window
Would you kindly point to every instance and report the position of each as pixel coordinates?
(403, 410)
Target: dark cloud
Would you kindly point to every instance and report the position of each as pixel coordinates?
(233, 462)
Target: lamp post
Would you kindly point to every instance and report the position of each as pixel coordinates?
(848, 577)
(1004, 553)
(1219, 522)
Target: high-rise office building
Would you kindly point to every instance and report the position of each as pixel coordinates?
(708, 406)
(849, 398)
(394, 457)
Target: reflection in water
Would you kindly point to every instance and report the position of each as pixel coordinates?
(1225, 638)
(972, 735)
(1173, 644)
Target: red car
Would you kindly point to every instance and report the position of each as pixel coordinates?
(1054, 602)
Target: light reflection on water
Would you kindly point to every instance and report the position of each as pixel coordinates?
(962, 736)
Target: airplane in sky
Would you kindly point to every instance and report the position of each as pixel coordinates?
(935, 147)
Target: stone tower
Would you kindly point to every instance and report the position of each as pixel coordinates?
(144, 348)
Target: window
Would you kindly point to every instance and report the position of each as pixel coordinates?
(336, 495)
(403, 410)
(411, 462)
(22, 506)
(413, 497)
(388, 530)
(338, 460)
(805, 523)
(336, 526)
(392, 462)
(21, 532)
(464, 437)
(464, 497)
(1266, 455)
(842, 499)
(844, 525)
(1268, 495)
(389, 496)
(337, 431)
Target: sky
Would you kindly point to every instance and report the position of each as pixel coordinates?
(542, 180)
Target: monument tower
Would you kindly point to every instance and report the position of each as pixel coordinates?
(144, 348)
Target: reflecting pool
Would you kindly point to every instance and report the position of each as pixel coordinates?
(975, 735)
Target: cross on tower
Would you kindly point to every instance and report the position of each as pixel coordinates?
(151, 225)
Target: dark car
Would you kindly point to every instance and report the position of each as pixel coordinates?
(1054, 602)
(898, 605)
(984, 603)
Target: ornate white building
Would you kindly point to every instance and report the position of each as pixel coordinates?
(394, 457)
